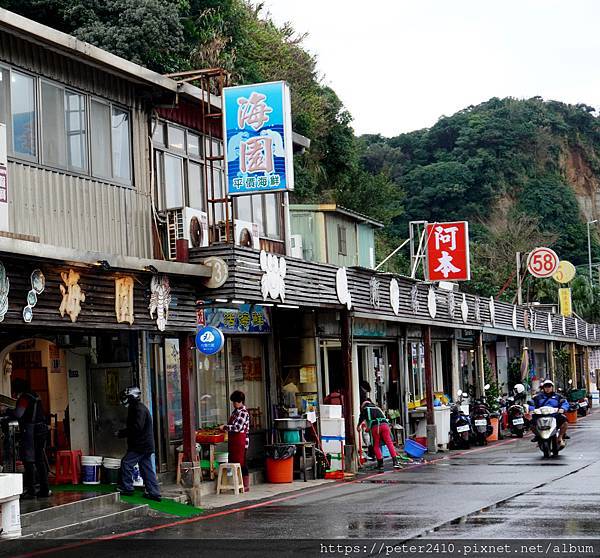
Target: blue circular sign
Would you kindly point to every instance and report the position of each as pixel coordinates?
(210, 340)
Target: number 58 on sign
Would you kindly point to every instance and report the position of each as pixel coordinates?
(542, 262)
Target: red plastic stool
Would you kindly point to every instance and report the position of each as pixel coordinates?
(68, 466)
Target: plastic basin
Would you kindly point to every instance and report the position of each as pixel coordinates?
(414, 449)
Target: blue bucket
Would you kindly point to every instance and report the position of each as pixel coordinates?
(90, 469)
(414, 449)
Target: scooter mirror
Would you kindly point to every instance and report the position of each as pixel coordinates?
(459, 392)
(570, 382)
(486, 387)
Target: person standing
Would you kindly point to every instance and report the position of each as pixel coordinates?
(140, 446)
(29, 411)
(238, 427)
(374, 419)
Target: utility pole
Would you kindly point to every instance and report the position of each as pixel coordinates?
(519, 292)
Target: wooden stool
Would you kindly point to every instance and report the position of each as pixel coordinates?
(68, 466)
(237, 482)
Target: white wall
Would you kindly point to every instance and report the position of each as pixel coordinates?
(502, 365)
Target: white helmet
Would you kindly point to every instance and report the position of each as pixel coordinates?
(547, 382)
(519, 388)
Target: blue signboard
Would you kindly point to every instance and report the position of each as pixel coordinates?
(247, 318)
(210, 340)
(257, 127)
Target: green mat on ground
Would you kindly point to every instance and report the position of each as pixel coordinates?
(167, 505)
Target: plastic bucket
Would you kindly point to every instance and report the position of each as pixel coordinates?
(291, 436)
(493, 437)
(414, 449)
(90, 469)
(571, 417)
(421, 440)
(110, 470)
(280, 470)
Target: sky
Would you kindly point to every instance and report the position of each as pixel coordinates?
(398, 65)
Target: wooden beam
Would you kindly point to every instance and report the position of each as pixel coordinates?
(346, 331)
(186, 342)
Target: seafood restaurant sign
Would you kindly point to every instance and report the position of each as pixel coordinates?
(257, 127)
(448, 251)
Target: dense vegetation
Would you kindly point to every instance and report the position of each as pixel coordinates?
(511, 167)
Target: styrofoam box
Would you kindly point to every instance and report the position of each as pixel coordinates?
(331, 411)
(333, 427)
(333, 446)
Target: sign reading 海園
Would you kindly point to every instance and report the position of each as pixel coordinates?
(257, 127)
(210, 340)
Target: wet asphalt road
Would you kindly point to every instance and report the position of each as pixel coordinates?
(506, 490)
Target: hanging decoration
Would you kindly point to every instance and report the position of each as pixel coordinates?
(341, 287)
(549, 323)
(564, 326)
(374, 285)
(414, 299)
(4, 288)
(72, 295)
(273, 280)
(395, 296)
(431, 302)
(477, 309)
(514, 318)
(160, 299)
(464, 309)
(451, 304)
(38, 284)
(124, 300)
(492, 308)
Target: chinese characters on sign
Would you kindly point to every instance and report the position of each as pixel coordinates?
(248, 318)
(258, 138)
(448, 251)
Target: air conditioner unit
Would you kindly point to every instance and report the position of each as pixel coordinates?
(195, 227)
(246, 234)
(174, 231)
(296, 246)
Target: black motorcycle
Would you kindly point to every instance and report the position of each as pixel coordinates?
(516, 421)
(480, 419)
(460, 425)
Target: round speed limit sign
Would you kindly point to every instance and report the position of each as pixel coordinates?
(542, 262)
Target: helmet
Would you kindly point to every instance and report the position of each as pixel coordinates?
(519, 388)
(132, 393)
(547, 383)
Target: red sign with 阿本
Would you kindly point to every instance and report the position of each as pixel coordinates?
(448, 251)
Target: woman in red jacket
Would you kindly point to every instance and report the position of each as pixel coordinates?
(238, 427)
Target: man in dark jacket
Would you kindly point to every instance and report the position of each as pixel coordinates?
(34, 432)
(140, 445)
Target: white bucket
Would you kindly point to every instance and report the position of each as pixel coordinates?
(111, 463)
(90, 469)
(11, 519)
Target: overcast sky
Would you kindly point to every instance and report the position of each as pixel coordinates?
(398, 65)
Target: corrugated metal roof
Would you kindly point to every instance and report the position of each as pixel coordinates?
(332, 207)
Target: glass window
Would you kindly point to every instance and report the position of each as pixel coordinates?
(173, 370)
(23, 115)
(342, 246)
(54, 149)
(244, 208)
(173, 181)
(158, 135)
(100, 117)
(213, 398)
(272, 205)
(219, 194)
(76, 128)
(257, 213)
(245, 363)
(121, 145)
(193, 145)
(176, 138)
(196, 186)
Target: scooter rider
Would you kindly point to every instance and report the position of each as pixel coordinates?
(549, 398)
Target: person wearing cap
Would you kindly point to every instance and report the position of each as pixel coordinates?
(549, 398)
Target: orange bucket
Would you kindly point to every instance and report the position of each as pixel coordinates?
(571, 417)
(493, 437)
(280, 470)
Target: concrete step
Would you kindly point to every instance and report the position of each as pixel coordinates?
(74, 517)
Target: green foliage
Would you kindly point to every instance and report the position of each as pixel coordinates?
(563, 367)
(514, 373)
(493, 393)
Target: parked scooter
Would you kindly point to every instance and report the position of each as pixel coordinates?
(516, 421)
(578, 400)
(460, 425)
(546, 429)
(480, 419)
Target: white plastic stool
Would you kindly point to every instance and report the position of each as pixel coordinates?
(230, 478)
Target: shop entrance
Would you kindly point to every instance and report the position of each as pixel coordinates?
(373, 368)
(331, 366)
